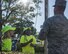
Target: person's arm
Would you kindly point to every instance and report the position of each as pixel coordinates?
(45, 29)
(33, 45)
(24, 44)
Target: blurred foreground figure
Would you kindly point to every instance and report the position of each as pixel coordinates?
(55, 30)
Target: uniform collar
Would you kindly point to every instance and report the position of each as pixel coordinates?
(59, 14)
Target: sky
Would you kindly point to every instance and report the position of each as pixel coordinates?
(40, 19)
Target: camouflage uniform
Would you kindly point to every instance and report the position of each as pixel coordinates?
(55, 29)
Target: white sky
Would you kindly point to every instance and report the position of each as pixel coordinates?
(40, 19)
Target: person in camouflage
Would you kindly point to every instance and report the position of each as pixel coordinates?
(55, 30)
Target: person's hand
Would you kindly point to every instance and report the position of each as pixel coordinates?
(31, 44)
(30, 40)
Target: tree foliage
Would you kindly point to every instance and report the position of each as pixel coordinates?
(19, 15)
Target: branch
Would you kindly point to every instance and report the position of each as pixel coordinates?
(8, 15)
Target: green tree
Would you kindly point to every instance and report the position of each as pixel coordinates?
(13, 12)
(17, 14)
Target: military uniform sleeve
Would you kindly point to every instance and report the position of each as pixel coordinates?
(45, 29)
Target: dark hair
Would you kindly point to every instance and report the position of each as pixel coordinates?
(26, 32)
(6, 35)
